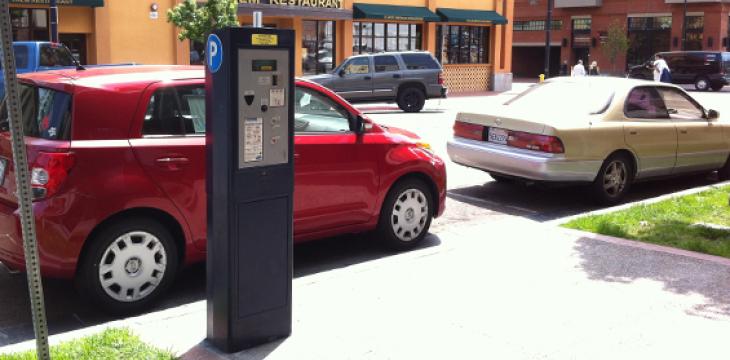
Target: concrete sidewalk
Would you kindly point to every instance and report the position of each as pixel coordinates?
(484, 292)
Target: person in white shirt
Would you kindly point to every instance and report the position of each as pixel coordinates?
(579, 69)
(661, 70)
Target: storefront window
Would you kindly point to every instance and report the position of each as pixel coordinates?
(30, 24)
(463, 44)
(695, 28)
(318, 42)
(379, 37)
(648, 36)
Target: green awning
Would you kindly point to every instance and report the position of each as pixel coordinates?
(92, 3)
(471, 16)
(393, 12)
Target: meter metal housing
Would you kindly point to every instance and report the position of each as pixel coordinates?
(250, 185)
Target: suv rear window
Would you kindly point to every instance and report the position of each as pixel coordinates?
(54, 55)
(46, 113)
(385, 63)
(420, 61)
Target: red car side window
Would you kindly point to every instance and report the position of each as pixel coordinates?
(176, 111)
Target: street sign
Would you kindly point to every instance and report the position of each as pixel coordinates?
(214, 52)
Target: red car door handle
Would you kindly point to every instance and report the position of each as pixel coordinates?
(173, 160)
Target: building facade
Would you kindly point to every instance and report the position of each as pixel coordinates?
(471, 38)
(580, 28)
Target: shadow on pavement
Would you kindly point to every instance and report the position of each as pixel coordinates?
(207, 351)
(542, 204)
(67, 311)
(679, 274)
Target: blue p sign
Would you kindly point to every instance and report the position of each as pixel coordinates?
(214, 53)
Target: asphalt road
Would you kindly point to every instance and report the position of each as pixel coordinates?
(473, 197)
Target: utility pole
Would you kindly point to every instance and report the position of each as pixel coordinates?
(684, 27)
(548, 28)
(54, 21)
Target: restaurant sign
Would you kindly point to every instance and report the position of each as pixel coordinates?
(93, 3)
(332, 4)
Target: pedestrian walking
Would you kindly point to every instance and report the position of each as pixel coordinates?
(594, 70)
(579, 69)
(564, 68)
(661, 70)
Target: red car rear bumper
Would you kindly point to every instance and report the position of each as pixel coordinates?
(58, 253)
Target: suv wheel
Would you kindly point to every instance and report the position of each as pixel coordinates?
(717, 87)
(406, 214)
(411, 99)
(702, 84)
(128, 265)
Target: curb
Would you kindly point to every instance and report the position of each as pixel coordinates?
(130, 323)
(639, 244)
(560, 221)
(648, 246)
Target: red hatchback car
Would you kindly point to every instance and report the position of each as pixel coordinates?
(118, 174)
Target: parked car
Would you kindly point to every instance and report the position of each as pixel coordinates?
(605, 132)
(105, 192)
(408, 78)
(32, 56)
(705, 69)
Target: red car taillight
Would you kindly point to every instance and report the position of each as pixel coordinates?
(544, 143)
(48, 173)
(441, 78)
(468, 131)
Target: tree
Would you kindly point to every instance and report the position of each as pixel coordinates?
(197, 21)
(616, 43)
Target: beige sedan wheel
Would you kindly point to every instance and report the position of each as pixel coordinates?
(613, 180)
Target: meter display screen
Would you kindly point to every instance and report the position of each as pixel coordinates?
(263, 65)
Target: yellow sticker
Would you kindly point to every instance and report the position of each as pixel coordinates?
(264, 39)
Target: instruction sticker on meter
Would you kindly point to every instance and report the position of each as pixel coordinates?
(277, 97)
(253, 129)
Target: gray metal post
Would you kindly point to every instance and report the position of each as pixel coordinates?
(54, 20)
(258, 19)
(548, 29)
(22, 179)
(684, 27)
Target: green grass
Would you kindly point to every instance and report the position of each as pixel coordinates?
(670, 222)
(110, 344)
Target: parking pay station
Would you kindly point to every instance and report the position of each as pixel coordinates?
(250, 184)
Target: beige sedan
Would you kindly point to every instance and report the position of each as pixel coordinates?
(608, 132)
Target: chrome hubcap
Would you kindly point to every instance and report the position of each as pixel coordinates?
(615, 178)
(410, 214)
(702, 84)
(132, 266)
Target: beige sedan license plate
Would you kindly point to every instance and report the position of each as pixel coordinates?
(497, 135)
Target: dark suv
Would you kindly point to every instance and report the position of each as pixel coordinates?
(705, 69)
(408, 78)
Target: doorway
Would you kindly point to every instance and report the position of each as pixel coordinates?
(581, 54)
